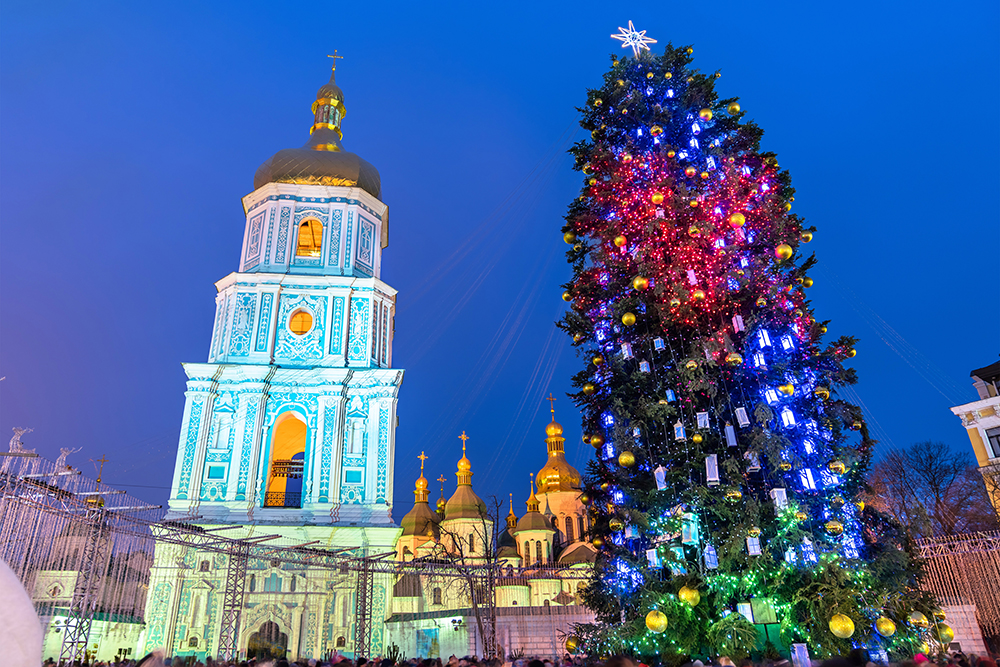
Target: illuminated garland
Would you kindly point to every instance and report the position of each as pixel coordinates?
(727, 470)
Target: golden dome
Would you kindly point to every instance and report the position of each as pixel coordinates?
(558, 475)
(553, 429)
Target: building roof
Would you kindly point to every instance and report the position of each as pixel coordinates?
(557, 474)
(322, 160)
(464, 503)
(987, 373)
(579, 553)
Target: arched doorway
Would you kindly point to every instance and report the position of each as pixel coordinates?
(288, 446)
(268, 642)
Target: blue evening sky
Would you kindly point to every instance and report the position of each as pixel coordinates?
(129, 131)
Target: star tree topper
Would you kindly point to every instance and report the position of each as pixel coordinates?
(635, 38)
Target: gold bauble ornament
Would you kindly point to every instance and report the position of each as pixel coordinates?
(917, 619)
(690, 79)
(593, 181)
(604, 486)
(656, 130)
(842, 626)
(852, 352)
(801, 516)
(806, 237)
(837, 502)
(620, 240)
(734, 359)
(807, 281)
(640, 283)
(787, 389)
(860, 504)
(754, 532)
(656, 621)
(885, 627)
(705, 114)
(694, 231)
(598, 542)
(589, 389)
(822, 329)
(856, 426)
(657, 198)
(569, 237)
(615, 525)
(690, 50)
(626, 459)
(572, 644)
(689, 595)
(834, 527)
(577, 337)
(598, 102)
(837, 467)
(704, 175)
(649, 75)
(628, 319)
(734, 495)
(939, 614)
(668, 75)
(671, 154)
(674, 303)
(621, 82)
(567, 296)
(944, 633)
(822, 393)
(925, 647)
(690, 172)
(598, 360)
(626, 157)
(783, 251)
(697, 437)
(584, 498)
(733, 108)
(597, 440)
(694, 203)
(737, 220)
(788, 205)
(761, 302)
(698, 295)
(691, 365)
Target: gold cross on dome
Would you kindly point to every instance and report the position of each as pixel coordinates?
(463, 438)
(335, 56)
(422, 459)
(552, 406)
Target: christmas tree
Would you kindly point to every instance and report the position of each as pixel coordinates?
(724, 494)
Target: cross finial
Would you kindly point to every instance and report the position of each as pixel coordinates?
(442, 480)
(552, 406)
(512, 503)
(100, 471)
(335, 56)
(422, 459)
(463, 438)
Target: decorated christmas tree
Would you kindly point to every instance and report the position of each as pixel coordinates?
(724, 494)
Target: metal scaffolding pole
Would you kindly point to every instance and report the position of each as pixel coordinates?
(363, 610)
(488, 589)
(232, 599)
(86, 594)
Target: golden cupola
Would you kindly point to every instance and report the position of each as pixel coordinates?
(557, 474)
(421, 520)
(533, 519)
(322, 160)
(464, 503)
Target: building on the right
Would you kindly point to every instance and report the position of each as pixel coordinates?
(981, 419)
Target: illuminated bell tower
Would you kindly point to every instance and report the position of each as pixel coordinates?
(293, 418)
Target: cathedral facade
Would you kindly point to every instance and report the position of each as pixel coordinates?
(289, 430)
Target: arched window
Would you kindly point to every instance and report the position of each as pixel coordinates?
(204, 566)
(579, 524)
(341, 642)
(527, 550)
(291, 585)
(437, 596)
(538, 551)
(253, 582)
(546, 603)
(300, 323)
(569, 529)
(472, 542)
(310, 239)
(288, 445)
(193, 642)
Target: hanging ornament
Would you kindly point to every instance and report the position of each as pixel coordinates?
(712, 469)
(567, 296)
(806, 237)
(801, 516)
(690, 596)
(711, 557)
(837, 467)
(569, 237)
(917, 619)
(842, 626)
(691, 364)
(939, 614)
(885, 626)
(734, 495)
(628, 319)
(620, 241)
(753, 546)
(697, 438)
(761, 302)
(626, 459)
(694, 231)
(656, 130)
(944, 633)
(698, 295)
(598, 102)
(690, 172)
(860, 504)
(837, 502)
(598, 360)
(754, 531)
(660, 475)
(785, 466)
(734, 359)
(834, 527)
(737, 220)
(780, 498)
(626, 157)
(616, 525)
(639, 283)
(679, 431)
(597, 440)
(656, 621)
(589, 389)
(572, 644)
(705, 114)
(807, 282)
(657, 198)
(787, 389)
(598, 542)
(733, 108)
(822, 393)
(675, 302)
(671, 154)
(783, 251)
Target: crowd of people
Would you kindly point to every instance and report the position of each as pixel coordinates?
(857, 658)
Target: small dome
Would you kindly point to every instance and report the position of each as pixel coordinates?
(553, 429)
(533, 521)
(464, 504)
(420, 521)
(422, 483)
(558, 475)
